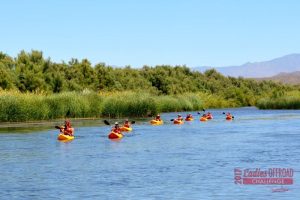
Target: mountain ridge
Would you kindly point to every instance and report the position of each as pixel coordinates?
(288, 63)
(292, 78)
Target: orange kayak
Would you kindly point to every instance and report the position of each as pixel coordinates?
(178, 121)
(228, 117)
(114, 135)
(189, 119)
(209, 117)
(203, 119)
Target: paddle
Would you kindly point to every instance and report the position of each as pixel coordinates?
(107, 122)
(174, 119)
(59, 127)
(202, 110)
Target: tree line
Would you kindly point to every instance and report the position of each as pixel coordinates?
(31, 72)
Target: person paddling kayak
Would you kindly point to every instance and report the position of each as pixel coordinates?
(115, 132)
(209, 115)
(189, 117)
(116, 128)
(179, 118)
(203, 118)
(157, 118)
(229, 116)
(67, 129)
(127, 124)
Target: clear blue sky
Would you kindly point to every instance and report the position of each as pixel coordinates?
(138, 32)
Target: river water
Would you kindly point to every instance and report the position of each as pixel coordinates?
(195, 160)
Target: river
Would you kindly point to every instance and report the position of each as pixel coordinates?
(195, 160)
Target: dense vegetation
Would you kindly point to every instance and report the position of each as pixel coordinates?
(289, 100)
(16, 106)
(72, 89)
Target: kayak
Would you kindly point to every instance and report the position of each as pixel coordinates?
(228, 117)
(209, 117)
(189, 119)
(203, 119)
(178, 121)
(114, 135)
(156, 122)
(123, 128)
(63, 137)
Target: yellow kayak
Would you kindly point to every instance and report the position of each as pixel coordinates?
(156, 122)
(123, 128)
(115, 135)
(63, 137)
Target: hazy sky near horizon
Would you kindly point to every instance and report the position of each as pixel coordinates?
(152, 32)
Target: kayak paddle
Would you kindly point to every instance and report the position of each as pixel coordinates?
(59, 127)
(106, 122)
(174, 119)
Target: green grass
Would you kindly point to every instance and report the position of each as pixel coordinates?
(129, 104)
(287, 102)
(16, 107)
(20, 107)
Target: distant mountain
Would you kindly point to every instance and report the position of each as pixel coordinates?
(290, 78)
(288, 63)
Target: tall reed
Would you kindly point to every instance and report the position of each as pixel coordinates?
(129, 104)
(16, 106)
(287, 102)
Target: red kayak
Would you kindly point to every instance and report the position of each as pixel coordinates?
(115, 135)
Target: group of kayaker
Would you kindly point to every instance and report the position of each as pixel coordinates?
(116, 131)
(204, 117)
